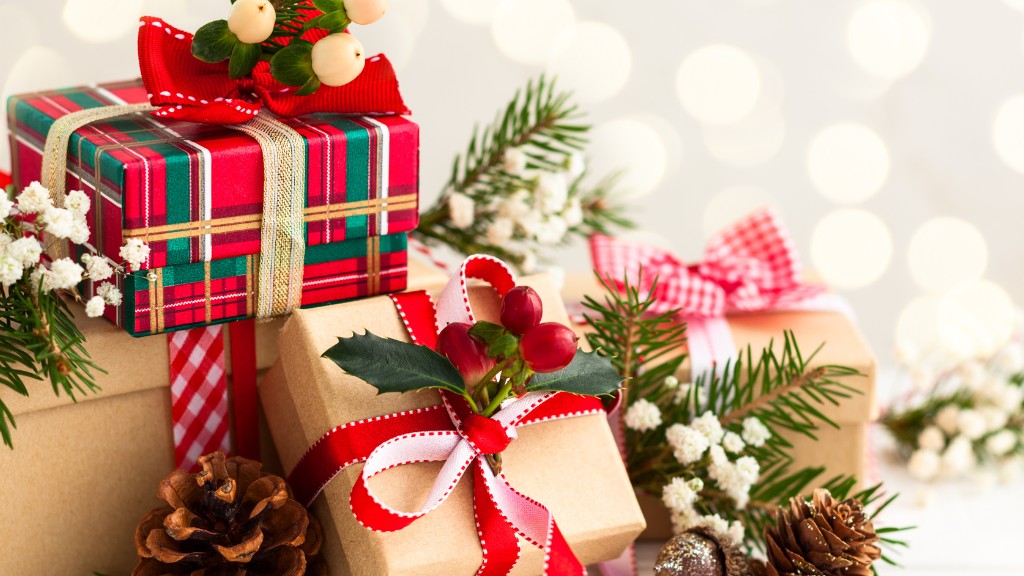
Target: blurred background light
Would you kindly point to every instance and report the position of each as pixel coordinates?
(751, 142)
(917, 329)
(718, 84)
(889, 38)
(526, 30)
(848, 163)
(851, 248)
(470, 11)
(733, 203)
(593, 59)
(946, 252)
(1008, 132)
(634, 145)
(977, 318)
(100, 21)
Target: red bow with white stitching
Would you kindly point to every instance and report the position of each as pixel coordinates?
(186, 88)
(750, 266)
(453, 434)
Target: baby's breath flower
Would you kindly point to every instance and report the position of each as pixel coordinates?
(94, 307)
(642, 416)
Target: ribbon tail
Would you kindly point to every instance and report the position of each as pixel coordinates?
(711, 346)
(497, 537)
(535, 523)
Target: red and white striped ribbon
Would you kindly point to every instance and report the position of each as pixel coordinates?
(199, 394)
(453, 434)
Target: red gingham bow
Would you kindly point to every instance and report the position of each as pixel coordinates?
(750, 266)
(186, 88)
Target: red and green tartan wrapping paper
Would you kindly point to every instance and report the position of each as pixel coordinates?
(192, 295)
(194, 192)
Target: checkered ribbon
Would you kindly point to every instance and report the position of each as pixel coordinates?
(199, 394)
(748, 267)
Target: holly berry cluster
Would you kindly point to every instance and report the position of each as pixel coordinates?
(498, 360)
(305, 41)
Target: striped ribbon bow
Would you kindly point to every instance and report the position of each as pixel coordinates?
(453, 434)
(750, 266)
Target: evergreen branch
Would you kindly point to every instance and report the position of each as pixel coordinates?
(780, 388)
(543, 131)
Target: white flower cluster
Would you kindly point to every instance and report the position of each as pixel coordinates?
(541, 212)
(642, 416)
(35, 215)
(982, 427)
(705, 437)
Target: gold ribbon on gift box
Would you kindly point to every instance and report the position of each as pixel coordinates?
(282, 232)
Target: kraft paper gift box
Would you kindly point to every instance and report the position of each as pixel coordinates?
(841, 451)
(194, 193)
(572, 466)
(81, 475)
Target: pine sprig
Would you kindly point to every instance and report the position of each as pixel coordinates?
(541, 121)
(544, 127)
(781, 388)
(39, 339)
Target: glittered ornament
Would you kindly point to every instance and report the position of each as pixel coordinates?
(701, 552)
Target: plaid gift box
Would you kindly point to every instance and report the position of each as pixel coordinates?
(192, 295)
(194, 193)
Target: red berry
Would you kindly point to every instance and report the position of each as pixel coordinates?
(548, 347)
(521, 309)
(467, 354)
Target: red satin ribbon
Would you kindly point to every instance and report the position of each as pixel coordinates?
(186, 88)
(245, 397)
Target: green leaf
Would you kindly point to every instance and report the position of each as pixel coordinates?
(293, 65)
(487, 331)
(309, 87)
(503, 346)
(244, 58)
(328, 6)
(393, 366)
(311, 23)
(214, 42)
(335, 22)
(589, 374)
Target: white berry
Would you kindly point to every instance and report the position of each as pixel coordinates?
(365, 11)
(252, 20)
(338, 59)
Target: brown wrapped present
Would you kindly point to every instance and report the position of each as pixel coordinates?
(572, 466)
(82, 475)
(841, 344)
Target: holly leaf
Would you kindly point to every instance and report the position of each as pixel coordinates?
(589, 374)
(335, 22)
(394, 366)
(244, 58)
(293, 65)
(328, 6)
(214, 42)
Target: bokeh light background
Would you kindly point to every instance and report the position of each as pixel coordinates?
(890, 133)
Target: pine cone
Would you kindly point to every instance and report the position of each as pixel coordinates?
(228, 520)
(820, 538)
